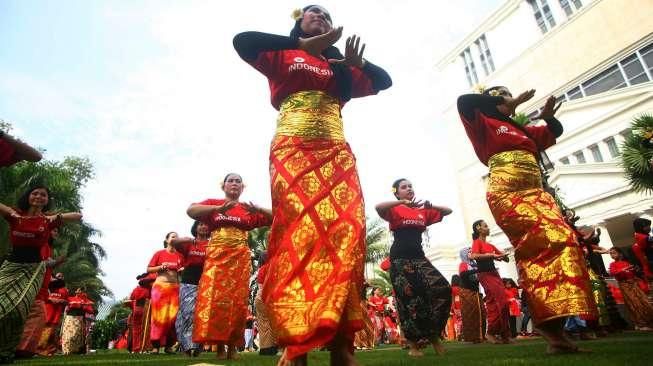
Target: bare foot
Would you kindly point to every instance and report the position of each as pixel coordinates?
(438, 347)
(492, 339)
(415, 353)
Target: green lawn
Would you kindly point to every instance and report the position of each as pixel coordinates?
(630, 348)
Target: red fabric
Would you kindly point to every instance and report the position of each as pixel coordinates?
(53, 308)
(193, 253)
(621, 271)
(172, 260)
(7, 153)
(236, 216)
(639, 249)
(513, 294)
(496, 303)
(262, 271)
(82, 302)
(490, 136)
(139, 293)
(402, 216)
(136, 317)
(385, 264)
(455, 296)
(616, 293)
(291, 71)
(43, 294)
(378, 302)
(462, 267)
(30, 231)
(482, 247)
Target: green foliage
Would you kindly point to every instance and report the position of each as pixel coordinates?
(521, 119)
(375, 238)
(103, 332)
(382, 281)
(636, 158)
(119, 312)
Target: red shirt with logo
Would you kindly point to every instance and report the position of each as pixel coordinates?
(378, 303)
(402, 216)
(237, 216)
(30, 231)
(172, 260)
(194, 255)
(642, 242)
(291, 71)
(482, 247)
(491, 135)
(55, 305)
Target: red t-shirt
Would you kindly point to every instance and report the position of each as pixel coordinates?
(639, 250)
(490, 136)
(193, 253)
(30, 231)
(407, 225)
(513, 294)
(378, 302)
(236, 216)
(619, 271)
(53, 310)
(80, 302)
(7, 153)
(291, 71)
(172, 260)
(482, 247)
(138, 297)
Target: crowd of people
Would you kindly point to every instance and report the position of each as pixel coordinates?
(312, 293)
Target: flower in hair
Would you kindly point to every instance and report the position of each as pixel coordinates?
(494, 93)
(297, 14)
(479, 88)
(394, 190)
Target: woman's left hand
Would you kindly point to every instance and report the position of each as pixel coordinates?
(251, 207)
(550, 109)
(353, 55)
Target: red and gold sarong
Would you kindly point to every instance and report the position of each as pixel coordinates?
(165, 305)
(317, 239)
(223, 289)
(549, 260)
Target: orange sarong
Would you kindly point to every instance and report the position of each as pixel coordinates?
(165, 305)
(549, 260)
(223, 289)
(317, 240)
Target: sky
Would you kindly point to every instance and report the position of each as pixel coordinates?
(155, 95)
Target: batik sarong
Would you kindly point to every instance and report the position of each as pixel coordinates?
(184, 323)
(19, 285)
(639, 309)
(33, 329)
(549, 261)
(165, 305)
(223, 289)
(423, 298)
(73, 335)
(471, 311)
(365, 338)
(267, 337)
(601, 317)
(317, 239)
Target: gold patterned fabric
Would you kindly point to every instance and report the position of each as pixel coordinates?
(317, 239)
(637, 305)
(221, 308)
(549, 260)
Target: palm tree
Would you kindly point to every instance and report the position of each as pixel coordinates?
(376, 239)
(257, 240)
(637, 154)
(382, 281)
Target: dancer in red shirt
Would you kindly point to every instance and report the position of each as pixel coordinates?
(139, 302)
(22, 274)
(636, 301)
(55, 305)
(165, 295)
(74, 328)
(643, 244)
(377, 303)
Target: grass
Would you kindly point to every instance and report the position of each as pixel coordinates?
(630, 348)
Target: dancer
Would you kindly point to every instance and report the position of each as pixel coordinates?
(423, 295)
(165, 295)
(54, 308)
(12, 150)
(512, 294)
(194, 252)
(377, 303)
(223, 289)
(456, 305)
(496, 301)
(267, 336)
(317, 240)
(73, 330)
(636, 301)
(643, 242)
(139, 304)
(472, 310)
(549, 261)
(22, 273)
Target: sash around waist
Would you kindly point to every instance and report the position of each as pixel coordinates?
(310, 114)
(228, 236)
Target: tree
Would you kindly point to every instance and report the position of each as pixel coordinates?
(382, 281)
(637, 154)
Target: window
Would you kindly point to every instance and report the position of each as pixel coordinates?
(580, 157)
(647, 56)
(470, 69)
(570, 6)
(596, 153)
(612, 147)
(575, 93)
(609, 79)
(565, 161)
(485, 55)
(634, 70)
(543, 15)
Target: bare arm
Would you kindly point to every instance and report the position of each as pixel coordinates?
(23, 150)
(7, 211)
(383, 207)
(178, 242)
(198, 212)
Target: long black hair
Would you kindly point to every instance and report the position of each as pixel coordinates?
(475, 233)
(23, 201)
(640, 223)
(340, 71)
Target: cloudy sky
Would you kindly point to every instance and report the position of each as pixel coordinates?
(154, 94)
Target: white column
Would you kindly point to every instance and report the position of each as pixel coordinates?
(606, 242)
(605, 151)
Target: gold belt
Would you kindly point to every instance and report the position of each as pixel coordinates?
(522, 158)
(229, 236)
(312, 114)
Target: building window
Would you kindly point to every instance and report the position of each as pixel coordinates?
(565, 161)
(470, 69)
(543, 15)
(634, 70)
(612, 147)
(596, 153)
(580, 157)
(647, 56)
(575, 93)
(570, 6)
(485, 55)
(609, 79)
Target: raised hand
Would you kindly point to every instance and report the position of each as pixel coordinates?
(521, 98)
(353, 53)
(413, 203)
(550, 108)
(251, 207)
(316, 44)
(225, 206)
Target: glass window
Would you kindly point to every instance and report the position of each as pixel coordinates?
(580, 157)
(577, 3)
(647, 55)
(564, 4)
(574, 93)
(596, 153)
(612, 147)
(634, 70)
(607, 80)
(543, 15)
(470, 69)
(565, 161)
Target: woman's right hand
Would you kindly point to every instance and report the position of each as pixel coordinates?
(225, 207)
(316, 44)
(521, 98)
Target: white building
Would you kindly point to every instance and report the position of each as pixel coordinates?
(597, 55)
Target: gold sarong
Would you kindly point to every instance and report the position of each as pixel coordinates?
(549, 260)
